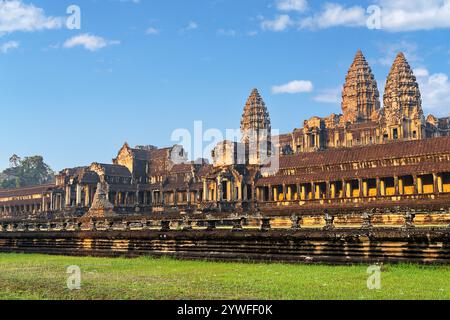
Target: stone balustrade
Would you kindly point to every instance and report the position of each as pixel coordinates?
(329, 221)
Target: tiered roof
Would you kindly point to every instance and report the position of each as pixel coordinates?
(360, 96)
(255, 117)
(402, 95)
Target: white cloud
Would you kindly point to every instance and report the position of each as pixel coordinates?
(191, 26)
(296, 86)
(390, 51)
(396, 16)
(89, 42)
(335, 15)
(435, 90)
(292, 5)
(280, 23)
(152, 31)
(16, 16)
(331, 96)
(8, 46)
(226, 32)
(413, 15)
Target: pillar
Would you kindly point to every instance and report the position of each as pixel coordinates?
(317, 191)
(87, 196)
(383, 187)
(333, 190)
(78, 197)
(378, 187)
(419, 185)
(440, 183)
(396, 185)
(205, 191)
(401, 186)
(68, 196)
(365, 188)
(270, 193)
(303, 192)
(437, 179)
(348, 190)
(275, 194)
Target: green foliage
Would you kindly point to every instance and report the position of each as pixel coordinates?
(29, 171)
(45, 277)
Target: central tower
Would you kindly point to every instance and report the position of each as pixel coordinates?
(360, 96)
(403, 114)
(256, 129)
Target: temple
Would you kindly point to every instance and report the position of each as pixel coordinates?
(370, 155)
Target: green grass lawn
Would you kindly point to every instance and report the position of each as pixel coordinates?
(44, 277)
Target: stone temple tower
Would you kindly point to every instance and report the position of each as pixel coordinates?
(360, 96)
(256, 128)
(403, 114)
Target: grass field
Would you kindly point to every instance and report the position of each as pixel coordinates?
(45, 277)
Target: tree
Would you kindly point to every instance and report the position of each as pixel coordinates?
(29, 171)
(14, 161)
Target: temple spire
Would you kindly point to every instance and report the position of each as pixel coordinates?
(256, 130)
(255, 117)
(360, 96)
(403, 114)
(402, 98)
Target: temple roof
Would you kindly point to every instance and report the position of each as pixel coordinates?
(330, 165)
(255, 116)
(26, 191)
(360, 95)
(114, 170)
(402, 96)
(393, 150)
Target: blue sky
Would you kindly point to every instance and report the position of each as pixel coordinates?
(137, 70)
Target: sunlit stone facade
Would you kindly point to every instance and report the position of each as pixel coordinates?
(368, 156)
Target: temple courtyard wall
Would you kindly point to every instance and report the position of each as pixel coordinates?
(411, 236)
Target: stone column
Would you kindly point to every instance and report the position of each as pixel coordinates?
(436, 183)
(87, 196)
(229, 191)
(317, 191)
(365, 188)
(396, 185)
(419, 185)
(289, 194)
(401, 186)
(333, 190)
(303, 192)
(327, 190)
(275, 194)
(378, 187)
(344, 189)
(205, 191)
(415, 184)
(383, 187)
(348, 190)
(68, 196)
(78, 198)
(270, 193)
(440, 183)
(145, 198)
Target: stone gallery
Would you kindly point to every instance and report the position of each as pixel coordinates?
(369, 165)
